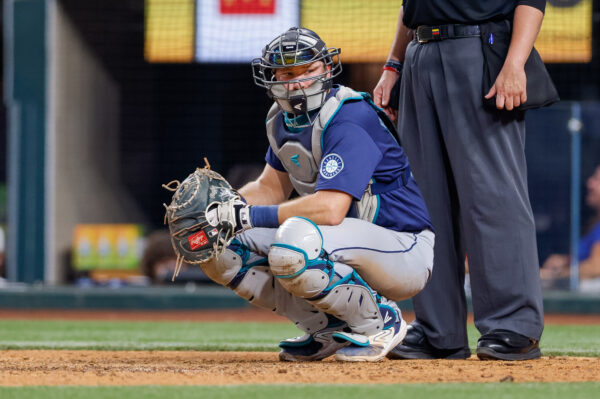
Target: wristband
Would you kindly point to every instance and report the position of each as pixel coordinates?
(387, 68)
(264, 216)
(393, 65)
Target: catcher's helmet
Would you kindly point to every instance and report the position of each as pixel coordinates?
(297, 46)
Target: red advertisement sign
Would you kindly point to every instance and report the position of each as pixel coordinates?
(247, 6)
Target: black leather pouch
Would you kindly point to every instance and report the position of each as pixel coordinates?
(495, 40)
(394, 101)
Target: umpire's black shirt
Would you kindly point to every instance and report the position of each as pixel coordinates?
(439, 12)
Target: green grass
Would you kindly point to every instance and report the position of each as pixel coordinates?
(558, 340)
(119, 335)
(437, 391)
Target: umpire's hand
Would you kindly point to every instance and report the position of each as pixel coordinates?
(381, 93)
(510, 87)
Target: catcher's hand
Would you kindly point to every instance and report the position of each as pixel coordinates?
(195, 239)
(234, 212)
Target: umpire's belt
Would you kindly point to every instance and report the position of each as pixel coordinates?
(453, 31)
(383, 187)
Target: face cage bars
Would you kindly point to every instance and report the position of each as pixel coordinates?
(261, 70)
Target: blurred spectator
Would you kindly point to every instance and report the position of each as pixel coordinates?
(158, 259)
(158, 262)
(555, 271)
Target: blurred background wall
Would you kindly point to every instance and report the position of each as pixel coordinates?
(108, 99)
(86, 170)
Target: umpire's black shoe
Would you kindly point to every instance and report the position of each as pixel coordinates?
(507, 345)
(416, 346)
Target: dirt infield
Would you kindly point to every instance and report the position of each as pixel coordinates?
(75, 367)
(32, 367)
(243, 314)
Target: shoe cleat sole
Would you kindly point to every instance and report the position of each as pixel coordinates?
(490, 354)
(375, 351)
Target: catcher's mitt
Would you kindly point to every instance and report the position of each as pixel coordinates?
(194, 239)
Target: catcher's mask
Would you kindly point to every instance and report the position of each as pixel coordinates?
(297, 46)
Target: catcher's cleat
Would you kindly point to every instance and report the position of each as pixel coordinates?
(311, 347)
(371, 348)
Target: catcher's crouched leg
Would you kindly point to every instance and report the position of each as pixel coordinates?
(299, 262)
(246, 273)
(297, 259)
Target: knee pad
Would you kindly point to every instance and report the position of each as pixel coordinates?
(296, 258)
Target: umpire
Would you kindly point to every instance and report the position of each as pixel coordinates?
(470, 163)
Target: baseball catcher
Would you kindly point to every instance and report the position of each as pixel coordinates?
(358, 237)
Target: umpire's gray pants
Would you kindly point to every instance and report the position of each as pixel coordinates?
(470, 166)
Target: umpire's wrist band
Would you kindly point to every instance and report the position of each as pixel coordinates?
(264, 216)
(393, 65)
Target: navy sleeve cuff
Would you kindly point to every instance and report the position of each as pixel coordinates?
(264, 216)
(539, 4)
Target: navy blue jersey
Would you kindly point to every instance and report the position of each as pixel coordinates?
(357, 147)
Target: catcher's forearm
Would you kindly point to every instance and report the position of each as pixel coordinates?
(326, 207)
(271, 187)
(256, 193)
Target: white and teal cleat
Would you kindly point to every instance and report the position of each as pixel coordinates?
(311, 347)
(372, 348)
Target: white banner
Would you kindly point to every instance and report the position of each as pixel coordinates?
(238, 30)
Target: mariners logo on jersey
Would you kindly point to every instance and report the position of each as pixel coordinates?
(331, 165)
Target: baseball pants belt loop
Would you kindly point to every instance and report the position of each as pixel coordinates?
(426, 34)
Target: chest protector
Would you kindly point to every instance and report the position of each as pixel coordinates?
(303, 164)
